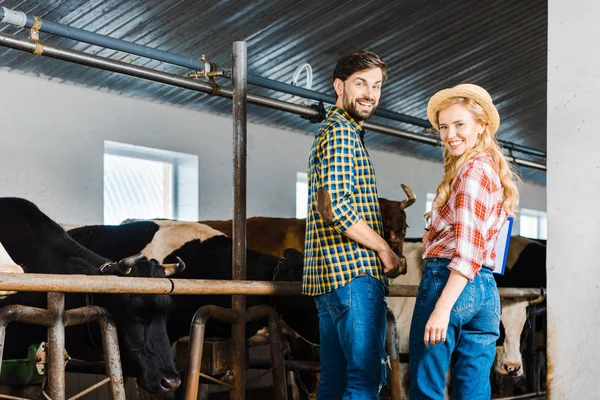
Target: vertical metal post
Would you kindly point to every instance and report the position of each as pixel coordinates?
(238, 302)
(56, 347)
(391, 344)
(531, 369)
(112, 357)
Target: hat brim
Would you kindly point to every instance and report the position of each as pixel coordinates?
(441, 96)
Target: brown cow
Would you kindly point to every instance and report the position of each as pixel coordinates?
(271, 235)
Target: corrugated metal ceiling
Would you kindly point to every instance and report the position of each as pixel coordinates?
(501, 45)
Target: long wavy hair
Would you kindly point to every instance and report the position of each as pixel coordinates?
(486, 143)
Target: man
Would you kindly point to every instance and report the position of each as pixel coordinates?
(345, 254)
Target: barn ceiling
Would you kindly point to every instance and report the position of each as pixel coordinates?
(501, 45)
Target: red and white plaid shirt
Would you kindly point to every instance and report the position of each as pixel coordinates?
(466, 228)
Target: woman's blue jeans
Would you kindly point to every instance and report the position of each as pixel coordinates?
(352, 321)
(470, 346)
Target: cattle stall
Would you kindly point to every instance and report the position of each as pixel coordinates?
(57, 285)
(239, 289)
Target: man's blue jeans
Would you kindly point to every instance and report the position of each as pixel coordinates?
(470, 346)
(352, 323)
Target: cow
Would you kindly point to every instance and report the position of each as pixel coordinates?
(273, 235)
(39, 245)
(208, 254)
(525, 268)
(7, 266)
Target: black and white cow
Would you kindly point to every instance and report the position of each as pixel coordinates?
(525, 268)
(39, 245)
(208, 255)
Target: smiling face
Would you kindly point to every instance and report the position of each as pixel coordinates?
(359, 94)
(459, 130)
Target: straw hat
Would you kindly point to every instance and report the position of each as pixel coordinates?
(468, 90)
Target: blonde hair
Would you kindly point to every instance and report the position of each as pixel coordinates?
(486, 143)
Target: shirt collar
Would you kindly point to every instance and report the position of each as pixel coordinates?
(340, 113)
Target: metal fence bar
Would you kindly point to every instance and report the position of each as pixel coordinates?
(115, 284)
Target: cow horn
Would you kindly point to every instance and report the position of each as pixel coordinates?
(180, 266)
(411, 197)
(132, 260)
(112, 267)
(175, 268)
(539, 299)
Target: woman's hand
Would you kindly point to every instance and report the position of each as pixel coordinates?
(437, 326)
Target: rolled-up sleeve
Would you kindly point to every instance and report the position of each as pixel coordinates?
(471, 204)
(338, 176)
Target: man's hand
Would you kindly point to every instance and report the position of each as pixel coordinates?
(391, 262)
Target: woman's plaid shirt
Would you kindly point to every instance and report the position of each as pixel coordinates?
(466, 228)
(340, 164)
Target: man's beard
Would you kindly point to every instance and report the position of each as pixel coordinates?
(350, 108)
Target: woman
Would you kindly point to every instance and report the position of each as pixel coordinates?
(456, 319)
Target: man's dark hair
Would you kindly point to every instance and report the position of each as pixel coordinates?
(358, 61)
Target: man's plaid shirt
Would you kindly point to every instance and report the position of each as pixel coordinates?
(340, 164)
(466, 228)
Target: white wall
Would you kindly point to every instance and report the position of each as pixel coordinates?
(573, 193)
(53, 154)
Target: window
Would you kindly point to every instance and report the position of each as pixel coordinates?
(301, 194)
(140, 182)
(533, 224)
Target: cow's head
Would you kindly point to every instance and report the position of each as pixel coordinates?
(509, 360)
(394, 222)
(141, 322)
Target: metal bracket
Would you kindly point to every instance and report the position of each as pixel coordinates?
(41, 358)
(210, 71)
(321, 113)
(34, 34)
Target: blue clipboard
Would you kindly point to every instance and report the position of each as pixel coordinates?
(502, 246)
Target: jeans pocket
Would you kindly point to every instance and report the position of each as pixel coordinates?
(465, 301)
(423, 285)
(338, 301)
(494, 296)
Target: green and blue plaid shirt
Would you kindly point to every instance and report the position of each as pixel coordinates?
(340, 164)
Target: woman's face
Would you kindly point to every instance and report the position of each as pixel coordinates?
(459, 130)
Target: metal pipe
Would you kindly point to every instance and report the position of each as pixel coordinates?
(110, 344)
(56, 347)
(89, 60)
(194, 64)
(275, 342)
(114, 284)
(239, 74)
(109, 42)
(22, 314)
(196, 344)
(391, 344)
(90, 389)
(310, 366)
